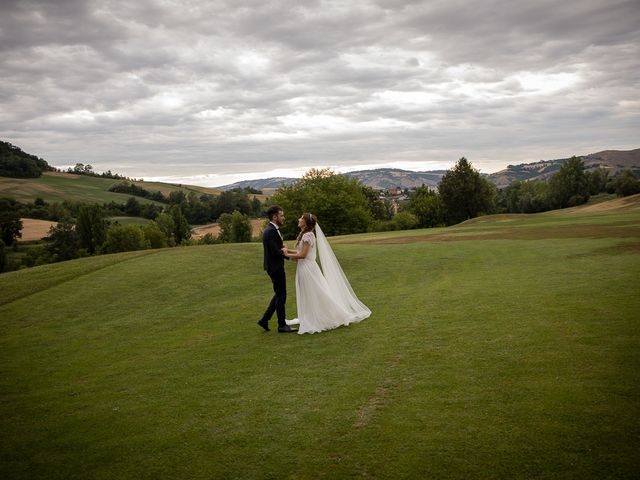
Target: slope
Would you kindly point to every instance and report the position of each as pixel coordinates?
(512, 357)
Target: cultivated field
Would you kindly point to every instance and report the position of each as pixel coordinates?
(33, 229)
(257, 225)
(506, 347)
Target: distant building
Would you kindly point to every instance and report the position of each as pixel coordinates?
(394, 191)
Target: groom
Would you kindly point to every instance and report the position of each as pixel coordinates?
(274, 266)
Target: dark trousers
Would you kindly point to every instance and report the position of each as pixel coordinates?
(279, 280)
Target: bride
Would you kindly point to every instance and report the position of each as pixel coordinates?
(324, 298)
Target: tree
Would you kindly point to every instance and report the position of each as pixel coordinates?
(155, 236)
(91, 227)
(177, 197)
(132, 207)
(626, 184)
(338, 201)
(64, 241)
(125, 238)
(3, 256)
(465, 194)
(10, 223)
(427, 207)
(256, 207)
(598, 179)
(379, 210)
(165, 223)
(225, 224)
(231, 200)
(531, 196)
(234, 228)
(570, 186)
(181, 228)
(18, 164)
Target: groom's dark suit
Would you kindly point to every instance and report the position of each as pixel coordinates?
(274, 266)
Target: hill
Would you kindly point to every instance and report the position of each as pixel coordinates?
(506, 348)
(382, 178)
(378, 179)
(16, 163)
(58, 187)
(612, 160)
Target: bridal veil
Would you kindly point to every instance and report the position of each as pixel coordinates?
(339, 286)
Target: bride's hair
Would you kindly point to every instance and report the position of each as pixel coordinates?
(309, 225)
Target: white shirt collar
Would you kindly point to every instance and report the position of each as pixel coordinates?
(277, 227)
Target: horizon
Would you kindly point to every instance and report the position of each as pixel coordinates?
(215, 180)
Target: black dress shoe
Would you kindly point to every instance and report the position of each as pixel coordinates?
(264, 324)
(286, 329)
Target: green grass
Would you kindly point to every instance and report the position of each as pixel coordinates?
(504, 357)
(80, 188)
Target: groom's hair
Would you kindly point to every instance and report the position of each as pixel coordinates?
(273, 211)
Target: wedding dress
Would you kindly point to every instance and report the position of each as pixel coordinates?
(324, 298)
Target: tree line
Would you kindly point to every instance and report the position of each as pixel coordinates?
(198, 209)
(93, 233)
(86, 229)
(463, 194)
(342, 204)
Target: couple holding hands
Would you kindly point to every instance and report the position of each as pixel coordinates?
(324, 297)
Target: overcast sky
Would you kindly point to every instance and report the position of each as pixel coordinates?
(212, 91)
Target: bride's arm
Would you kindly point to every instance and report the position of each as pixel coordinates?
(302, 254)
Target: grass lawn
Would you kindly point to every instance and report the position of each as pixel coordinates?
(506, 347)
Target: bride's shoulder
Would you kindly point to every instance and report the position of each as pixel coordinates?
(308, 237)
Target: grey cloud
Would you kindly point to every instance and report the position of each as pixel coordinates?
(199, 86)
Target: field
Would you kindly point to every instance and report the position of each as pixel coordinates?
(58, 187)
(257, 225)
(507, 347)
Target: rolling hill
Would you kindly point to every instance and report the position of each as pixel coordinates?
(611, 160)
(506, 348)
(58, 187)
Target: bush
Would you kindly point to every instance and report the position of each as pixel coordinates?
(37, 255)
(626, 184)
(234, 228)
(125, 238)
(155, 236)
(405, 221)
(208, 239)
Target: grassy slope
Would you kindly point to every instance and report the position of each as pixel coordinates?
(505, 357)
(81, 188)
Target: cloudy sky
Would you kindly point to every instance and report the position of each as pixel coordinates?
(212, 91)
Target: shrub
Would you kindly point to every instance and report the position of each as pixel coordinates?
(125, 238)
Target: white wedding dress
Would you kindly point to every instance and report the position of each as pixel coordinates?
(324, 298)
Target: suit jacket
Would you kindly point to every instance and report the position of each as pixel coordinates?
(272, 243)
